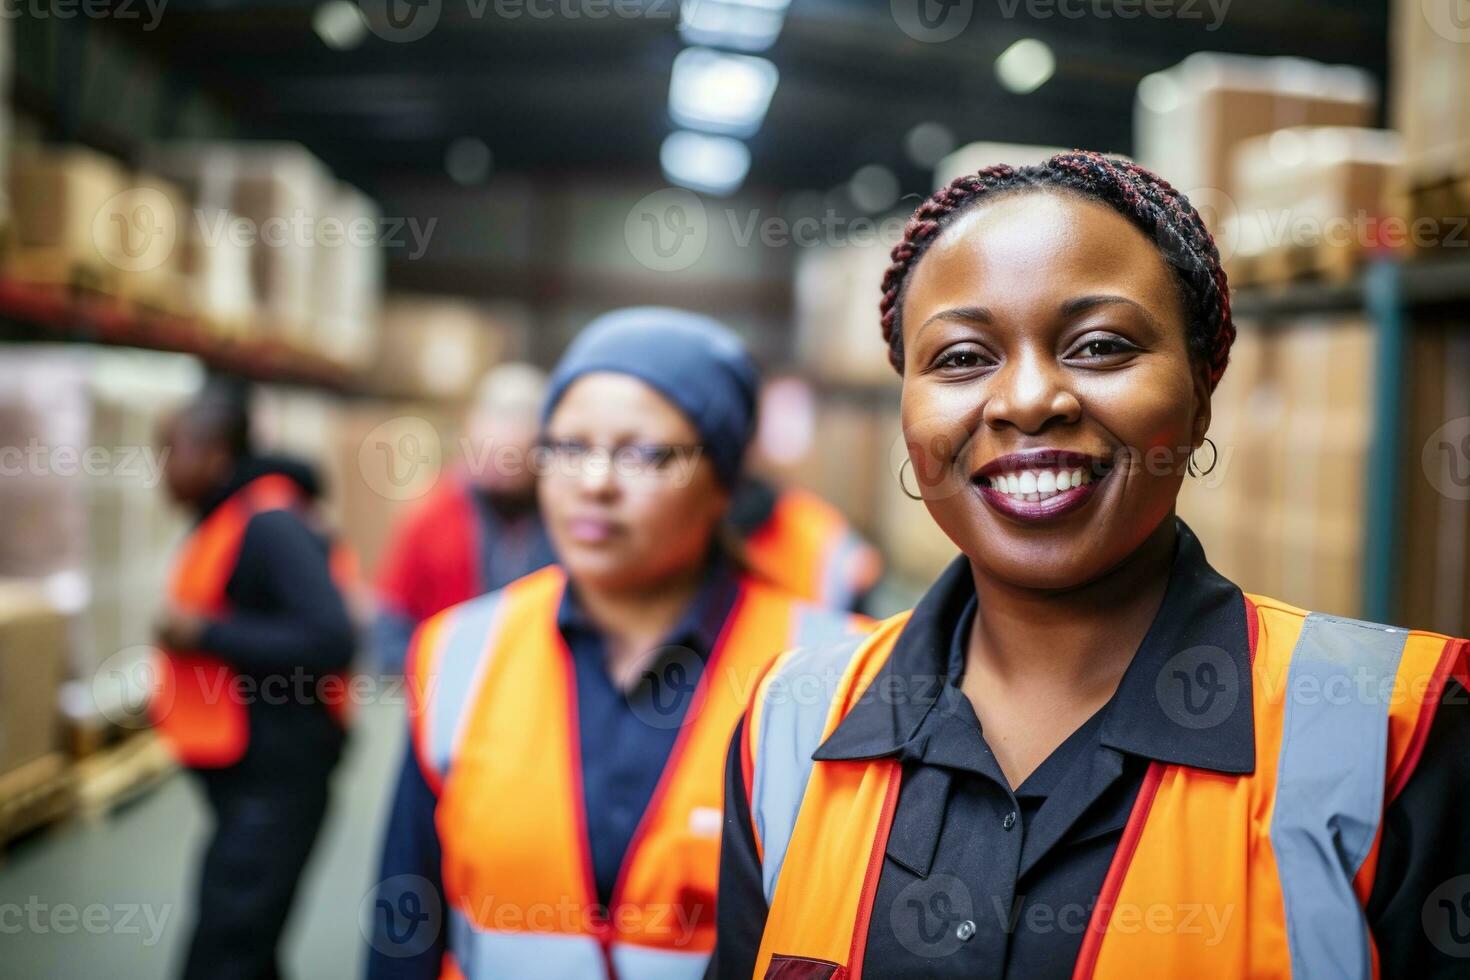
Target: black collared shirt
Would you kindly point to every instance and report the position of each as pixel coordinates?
(981, 880)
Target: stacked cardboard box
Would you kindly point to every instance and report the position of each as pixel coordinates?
(61, 227)
(349, 283)
(838, 336)
(438, 348)
(1434, 557)
(1284, 511)
(1189, 118)
(1317, 192)
(34, 638)
(1431, 88)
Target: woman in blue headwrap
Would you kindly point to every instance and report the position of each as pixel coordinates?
(559, 810)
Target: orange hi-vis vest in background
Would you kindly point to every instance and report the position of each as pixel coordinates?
(495, 728)
(196, 708)
(807, 548)
(1286, 855)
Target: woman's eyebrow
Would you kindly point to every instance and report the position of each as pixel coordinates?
(961, 314)
(1082, 304)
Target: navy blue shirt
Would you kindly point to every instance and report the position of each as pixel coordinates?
(982, 880)
(625, 738)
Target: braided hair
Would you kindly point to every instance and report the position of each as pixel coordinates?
(1163, 214)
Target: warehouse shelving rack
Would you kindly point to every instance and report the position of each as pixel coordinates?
(1390, 292)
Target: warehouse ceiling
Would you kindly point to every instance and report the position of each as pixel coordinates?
(578, 88)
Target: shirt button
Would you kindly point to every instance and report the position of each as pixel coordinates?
(965, 930)
(1009, 821)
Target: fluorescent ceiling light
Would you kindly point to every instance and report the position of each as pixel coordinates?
(340, 24)
(1025, 66)
(719, 92)
(712, 164)
(744, 25)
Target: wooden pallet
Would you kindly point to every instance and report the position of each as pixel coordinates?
(118, 775)
(59, 268)
(35, 795)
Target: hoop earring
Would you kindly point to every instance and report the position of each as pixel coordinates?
(911, 496)
(1214, 458)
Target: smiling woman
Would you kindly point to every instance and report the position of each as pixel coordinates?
(1128, 759)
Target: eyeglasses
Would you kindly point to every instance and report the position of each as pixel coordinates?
(634, 461)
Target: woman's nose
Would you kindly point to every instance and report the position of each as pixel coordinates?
(1028, 393)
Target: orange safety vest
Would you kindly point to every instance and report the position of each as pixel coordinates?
(196, 707)
(807, 548)
(494, 719)
(1286, 854)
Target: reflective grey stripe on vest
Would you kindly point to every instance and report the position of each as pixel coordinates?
(1330, 785)
(463, 646)
(794, 712)
(484, 954)
(837, 589)
(816, 626)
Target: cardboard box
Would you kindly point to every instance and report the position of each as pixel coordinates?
(60, 197)
(1430, 69)
(34, 637)
(1189, 118)
(838, 334)
(438, 348)
(349, 288)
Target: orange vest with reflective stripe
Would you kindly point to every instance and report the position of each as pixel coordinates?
(1286, 855)
(807, 548)
(495, 727)
(196, 707)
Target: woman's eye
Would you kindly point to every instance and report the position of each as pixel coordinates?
(962, 359)
(1105, 346)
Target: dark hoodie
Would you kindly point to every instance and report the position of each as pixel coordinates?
(287, 627)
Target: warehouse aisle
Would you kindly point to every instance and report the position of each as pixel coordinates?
(113, 899)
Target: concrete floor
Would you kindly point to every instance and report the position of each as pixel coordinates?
(113, 899)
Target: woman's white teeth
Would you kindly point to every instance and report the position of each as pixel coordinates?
(1039, 484)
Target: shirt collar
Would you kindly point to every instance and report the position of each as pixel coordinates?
(698, 628)
(1185, 698)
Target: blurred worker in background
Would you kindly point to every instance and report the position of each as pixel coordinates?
(560, 801)
(479, 529)
(804, 544)
(256, 636)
